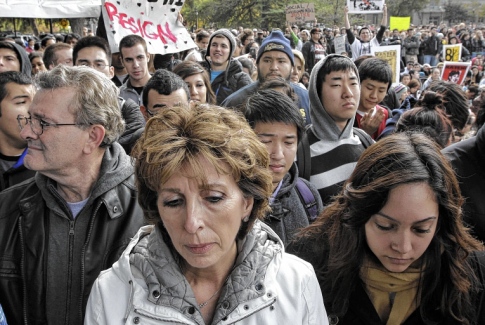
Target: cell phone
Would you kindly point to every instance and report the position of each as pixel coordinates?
(252, 52)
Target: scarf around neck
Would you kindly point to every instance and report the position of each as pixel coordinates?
(394, 295)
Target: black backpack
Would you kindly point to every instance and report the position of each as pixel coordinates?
(303, 152)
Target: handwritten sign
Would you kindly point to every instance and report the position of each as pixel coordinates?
(300, 13)
(154, 20)
(365, 6)
(452, 52)
(339, 43)
(391, 54)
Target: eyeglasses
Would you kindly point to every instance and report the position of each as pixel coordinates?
(37, 125)
(96, 65)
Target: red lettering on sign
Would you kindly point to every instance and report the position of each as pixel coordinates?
(138, 26)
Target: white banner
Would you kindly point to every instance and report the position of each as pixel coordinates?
(154, 20)
(365, 6)
(50, 8)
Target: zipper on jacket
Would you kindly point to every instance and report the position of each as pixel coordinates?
(91, 225)
(151, 316)
(255, 311)
(22, 270)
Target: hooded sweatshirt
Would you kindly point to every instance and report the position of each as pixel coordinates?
(334, 153)
(233, 77)
(25, 66)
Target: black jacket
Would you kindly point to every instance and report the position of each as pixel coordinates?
(134, 123)
(33, 218)
(288, 214)
(16, 174)
(468, 160)
(361, 311)
(229, 81)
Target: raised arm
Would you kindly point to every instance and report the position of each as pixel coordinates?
(350, 35)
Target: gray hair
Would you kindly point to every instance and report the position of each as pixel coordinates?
(95, 99)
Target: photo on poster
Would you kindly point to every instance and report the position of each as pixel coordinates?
(365, 6)
(455, 71)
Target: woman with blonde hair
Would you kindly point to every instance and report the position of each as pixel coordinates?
(206, 258)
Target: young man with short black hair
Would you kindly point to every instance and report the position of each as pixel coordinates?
(280, 127)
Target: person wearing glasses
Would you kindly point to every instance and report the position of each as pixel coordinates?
(94, 52)
(165, 89)
(59, 230)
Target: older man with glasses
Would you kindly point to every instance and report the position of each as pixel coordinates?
(59, 230)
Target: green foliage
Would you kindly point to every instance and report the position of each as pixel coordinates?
(271, 13)
(405, 8)
(455, 13)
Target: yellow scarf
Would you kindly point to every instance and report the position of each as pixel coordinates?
(392, 294)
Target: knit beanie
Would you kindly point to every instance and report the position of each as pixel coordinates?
(276, 41)
(227, 34)
(399, 89)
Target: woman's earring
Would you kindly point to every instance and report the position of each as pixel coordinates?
(246, 218)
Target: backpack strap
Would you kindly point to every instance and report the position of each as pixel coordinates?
(308, 200)
(303, 157)
(364, 137)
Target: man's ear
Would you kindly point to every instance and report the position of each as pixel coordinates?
(144, 112)
(96, 137)
(111, 72)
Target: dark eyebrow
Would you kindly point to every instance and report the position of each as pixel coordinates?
(417, 222)
(21, 96)
(159, 105)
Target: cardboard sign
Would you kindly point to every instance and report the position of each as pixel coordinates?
(399, 23)
(365, 6)
(154, 20)
(455, 71)
(391, 54)
(339, 43)
(452, 52)
(300, 13)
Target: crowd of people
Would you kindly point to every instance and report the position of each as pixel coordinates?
(259, 178)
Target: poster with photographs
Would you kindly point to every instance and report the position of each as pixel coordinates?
(365, 6)
(455, 71)
(391, 54)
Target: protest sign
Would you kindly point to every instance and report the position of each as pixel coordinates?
(391, 54)
(154, 20)
(455, 71)
(365, 6)
(300, 13)
(339, 43)
(399, 23)
(452, 52)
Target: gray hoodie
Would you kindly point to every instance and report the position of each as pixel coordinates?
(25, 66)
(334, 153)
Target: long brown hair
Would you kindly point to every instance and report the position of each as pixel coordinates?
(337, 238)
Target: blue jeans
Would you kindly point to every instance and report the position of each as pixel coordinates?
(431, 60)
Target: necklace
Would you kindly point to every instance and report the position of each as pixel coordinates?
(202, 305)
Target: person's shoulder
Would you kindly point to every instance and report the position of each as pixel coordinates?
(236, 98)
(295, 264)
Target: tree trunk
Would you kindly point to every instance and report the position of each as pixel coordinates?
(77, 25)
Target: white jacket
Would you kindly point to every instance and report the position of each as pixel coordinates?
(289, 294)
